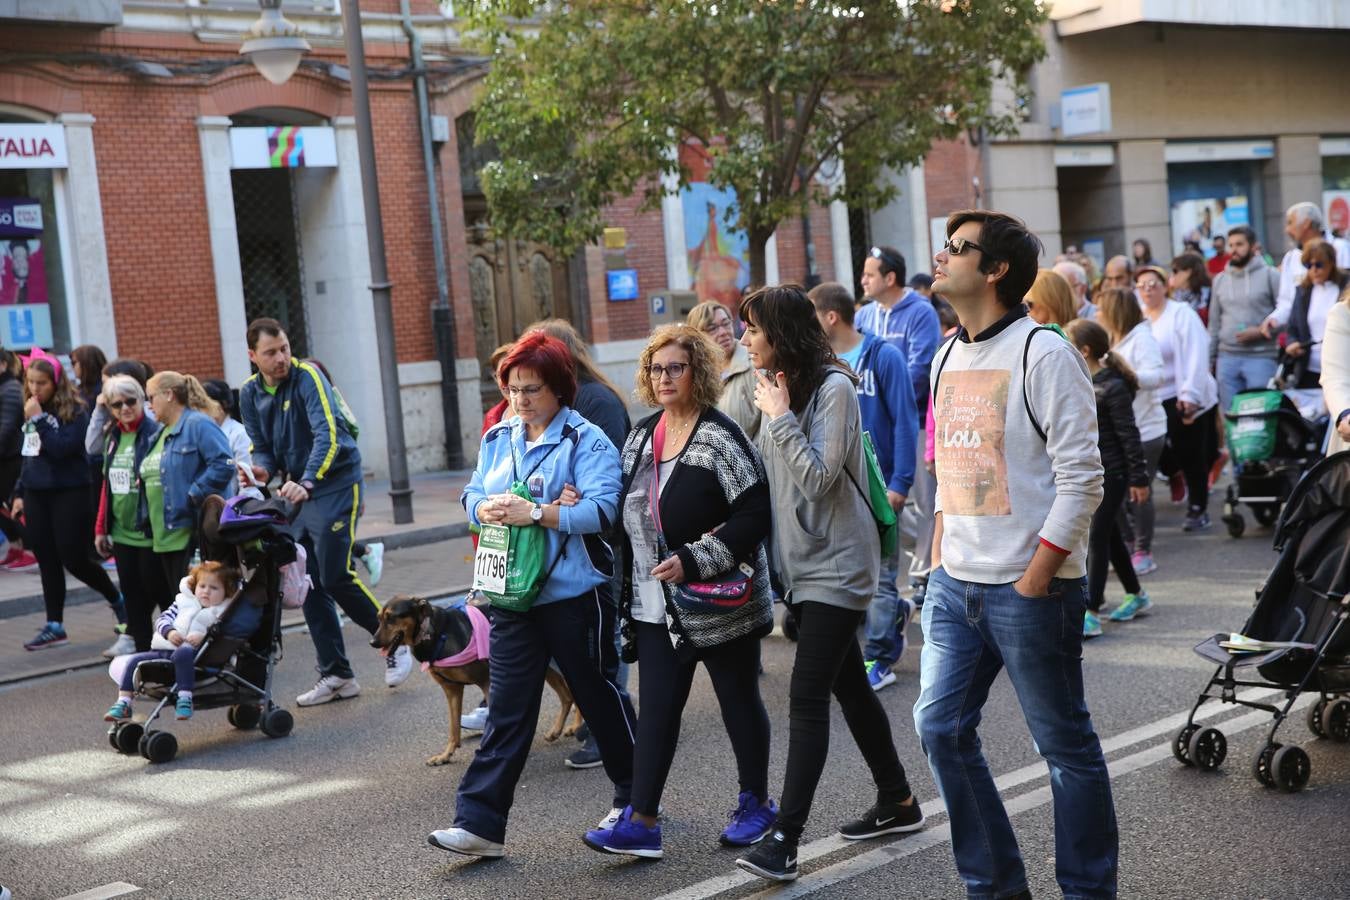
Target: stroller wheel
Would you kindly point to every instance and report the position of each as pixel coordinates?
(1267, 513)
(1262, 764)
(126, 736)
(159, 746)
(1207, 749)
(1236, 525)
(1317, 718)
(1336, 720)
(244, 716)
(277, 722)
(1181, 744)
(1291, 768)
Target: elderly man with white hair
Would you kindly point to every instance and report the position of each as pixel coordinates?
(1077, 278)
(1303, 222)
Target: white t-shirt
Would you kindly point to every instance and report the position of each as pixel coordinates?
(1324, 296)
(649, 599)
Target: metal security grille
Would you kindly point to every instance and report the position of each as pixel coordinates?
(268, 224)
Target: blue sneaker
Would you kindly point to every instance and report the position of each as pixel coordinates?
(118, 712)
(627, 838)
(750, 821)
(1134, 605)
(51, 635)
(1092, 625)
(879, 675)
(183, 708)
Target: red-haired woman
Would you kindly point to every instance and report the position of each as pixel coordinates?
(549, 448)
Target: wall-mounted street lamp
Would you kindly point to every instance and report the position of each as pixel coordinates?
(274, 45)
(275, 48)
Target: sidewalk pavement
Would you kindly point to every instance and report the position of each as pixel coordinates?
(437, 517)
(431, 570)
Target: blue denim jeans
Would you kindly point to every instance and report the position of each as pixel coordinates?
(1237, 373)
(883, 641)
(971, 631)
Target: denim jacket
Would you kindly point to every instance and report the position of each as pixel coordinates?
(194, 465)
(572, 451)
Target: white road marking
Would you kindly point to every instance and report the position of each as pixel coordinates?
(865, 862)
(115, 889)
(834, 843)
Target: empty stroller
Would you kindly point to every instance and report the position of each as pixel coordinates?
(1271, 444)
(235, 663)
(1296, 637)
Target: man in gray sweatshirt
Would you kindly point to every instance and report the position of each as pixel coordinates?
(1244, 295)
(1019, 476)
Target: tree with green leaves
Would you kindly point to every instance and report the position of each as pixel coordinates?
(586, 100)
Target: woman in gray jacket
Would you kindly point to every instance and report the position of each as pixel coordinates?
(828, 555)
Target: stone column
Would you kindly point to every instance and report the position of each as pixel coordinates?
(1294, 176)
(213, 133)
(92, 309)
(1023, 182)
(1145, 210)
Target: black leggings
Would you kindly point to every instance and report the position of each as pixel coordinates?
(1193, 449)
(664, 688)
(57, 528)
(1105, 544)
(141, 575)
(829, 661)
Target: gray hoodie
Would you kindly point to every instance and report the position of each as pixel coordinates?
(1241, 298)
(825, 539)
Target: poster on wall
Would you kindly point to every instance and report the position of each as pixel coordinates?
(1337, 207)
(25, 316)
(1204, 219)
(719, 256)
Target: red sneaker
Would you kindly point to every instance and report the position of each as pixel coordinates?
(1217, 469)
(19, 561)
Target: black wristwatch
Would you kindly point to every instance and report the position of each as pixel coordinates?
(308, 486)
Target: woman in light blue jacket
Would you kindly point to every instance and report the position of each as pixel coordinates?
(553, 451)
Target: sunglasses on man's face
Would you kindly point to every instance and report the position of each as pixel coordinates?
(958, 245)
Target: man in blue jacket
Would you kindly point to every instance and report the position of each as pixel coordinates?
(300, 433)
(886, 400)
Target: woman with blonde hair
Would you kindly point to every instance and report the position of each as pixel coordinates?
(188, 462)
(738, 377)
(1051, 301)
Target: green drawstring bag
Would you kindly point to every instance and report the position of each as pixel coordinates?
(509, 564)
(888, 524)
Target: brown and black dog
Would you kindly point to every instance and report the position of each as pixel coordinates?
(432, 632)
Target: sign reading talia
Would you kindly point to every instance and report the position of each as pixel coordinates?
(32, 147)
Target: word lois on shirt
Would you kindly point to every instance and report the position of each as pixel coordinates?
(971, 417)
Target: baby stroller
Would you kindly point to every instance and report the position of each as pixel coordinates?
(1296, 637)
(235, 663)
(1272, 444)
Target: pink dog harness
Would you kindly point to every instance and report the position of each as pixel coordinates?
(478, 644)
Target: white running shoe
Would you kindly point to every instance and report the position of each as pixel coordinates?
(610, 820)
(327, 688)
(397, 666)
(465, 843)
(124, 644)
(474, 721)
(373, 560)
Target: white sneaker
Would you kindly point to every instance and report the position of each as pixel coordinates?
(397, 666)
(329, 687)
(474, 721)
(373, 560)
(124, 644)
(610, 820)
(465, 843)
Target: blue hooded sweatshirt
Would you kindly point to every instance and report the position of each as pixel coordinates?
(886, 400)
(912, 327)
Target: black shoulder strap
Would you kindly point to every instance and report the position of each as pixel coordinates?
(1026, 401)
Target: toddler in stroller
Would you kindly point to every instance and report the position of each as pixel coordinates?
(203, 597)
(233, 667)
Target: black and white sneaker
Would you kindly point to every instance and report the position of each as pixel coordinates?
(884, 818)
(774, 858)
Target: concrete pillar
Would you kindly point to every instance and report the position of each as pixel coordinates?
(213, 134)
(1023, 182)
(903, 223)
(1144, 206)
(92, 313)
(1295, 176)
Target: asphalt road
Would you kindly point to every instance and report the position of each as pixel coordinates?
(342, 807)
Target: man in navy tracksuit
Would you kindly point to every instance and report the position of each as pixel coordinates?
(300, 432)
(907, 320)
(886, 400)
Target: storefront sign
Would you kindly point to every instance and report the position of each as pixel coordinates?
(622, 284)
(282, 147)
(1070, 155)
(1211, 151)
(1085, 110)
(26, 326)
(32, 147)
(1335, 146)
